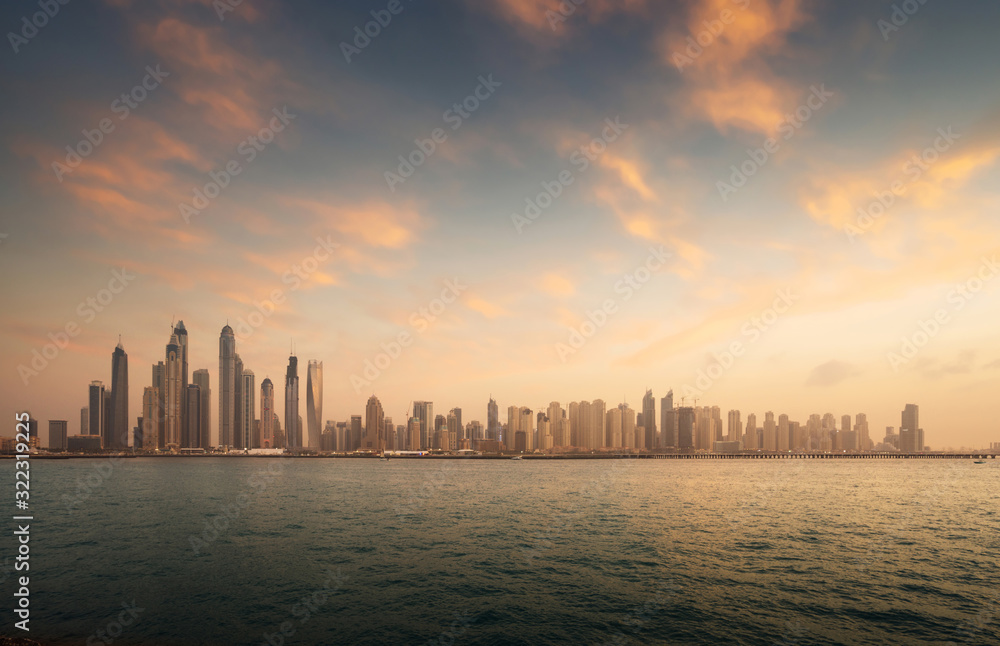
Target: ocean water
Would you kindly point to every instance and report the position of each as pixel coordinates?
(233, 551)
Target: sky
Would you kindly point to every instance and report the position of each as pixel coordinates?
(762, 204)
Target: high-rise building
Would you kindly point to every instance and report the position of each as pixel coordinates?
(267, 415)
(96, 407)
(770, 432)
(750, 436)
(203, 439)
(150, 415)
(908, 440)
(527, 427)
(175, 395)
(356, 434)
(424, 411)
(292, 431)
(160, 383)
(734, 427)
(492, 420)
(649, 420)
(57, 434)
(668, 421)
(314, 402)
(685, 427)
(120, 424)
(784, 434)
(192, 404)
(614, 428)
(248, 408)
(85, 420)
(238, 403)
(374, 426)
(454, 432)
(414, 430)
(227, 388)
(182, 344)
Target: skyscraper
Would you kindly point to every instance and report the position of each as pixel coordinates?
(150, 416)
(267, 414)
(182, 343)
(374, 426)
(96, 408)
(770, 432)
(204, 439)
(292, 430)
(175, 395)
(685, 427)
(238, 403)
(314, 402)
(750, 436)
(160, 384)
(908, 440)
(424, 411)
(227, 387)
(734, 427)
(492, 420)
(119, 400)
(649, 419)
(192, 404)
(57, 434)
(248, 394)
(85, 420)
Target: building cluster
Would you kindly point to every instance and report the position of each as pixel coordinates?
(176, 417)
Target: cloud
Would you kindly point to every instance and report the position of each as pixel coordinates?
(831, 373)
(727, 81)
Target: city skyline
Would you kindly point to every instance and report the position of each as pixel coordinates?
(583, 424)
(601, 210)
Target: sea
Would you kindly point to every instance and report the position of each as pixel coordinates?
(285, 552)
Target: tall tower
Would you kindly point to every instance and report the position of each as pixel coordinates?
(248, 393)
(238, 401)
(119, 400)
(200, 378)
(96, 399)
(227, 387)
(770, 432)
(492, 420)
(424, 411)
(151, 415)
(192, 404)
(314, 403)
(649, 419)
(908, 440)
(182, 343)
(174, 396)
(292, 430)
(374, 426)
(267, 414)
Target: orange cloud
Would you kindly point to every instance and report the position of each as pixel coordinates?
(723, 63)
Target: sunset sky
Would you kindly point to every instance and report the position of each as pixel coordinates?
(906, 110)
